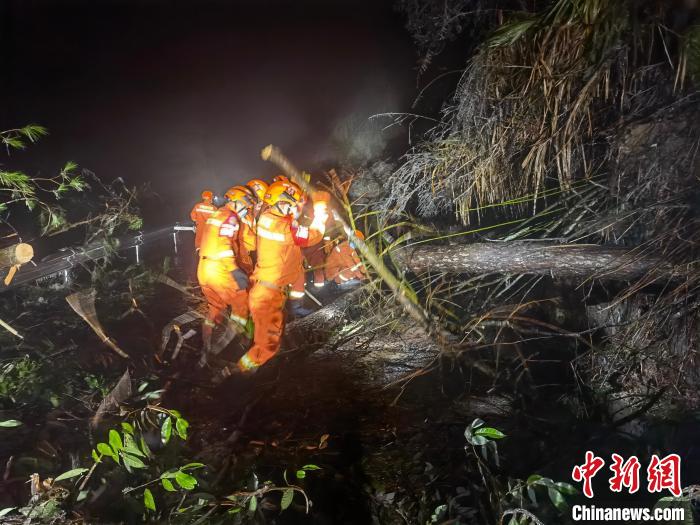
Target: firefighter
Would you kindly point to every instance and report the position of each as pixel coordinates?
(343, 265)
(200, 213)
(279, 265)
(223, 282)
(259, 188)
(245, 242)
(314, 260)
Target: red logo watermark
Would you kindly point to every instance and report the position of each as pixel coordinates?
(662, 473)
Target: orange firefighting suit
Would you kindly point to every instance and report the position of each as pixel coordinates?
(246, 244)
(343, 264)
(279, 265)
(217, 261)
(315, 257)
(199, 214)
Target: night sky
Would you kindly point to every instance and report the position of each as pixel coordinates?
(185, 94)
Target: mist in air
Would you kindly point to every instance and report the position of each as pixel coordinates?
(183, 98)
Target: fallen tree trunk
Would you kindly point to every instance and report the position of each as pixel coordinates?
(316, 329)
(375, 359)
(538, 258)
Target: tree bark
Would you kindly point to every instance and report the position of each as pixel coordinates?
(538, 258)
(316, 329)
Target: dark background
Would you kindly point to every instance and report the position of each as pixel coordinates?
(184, 94)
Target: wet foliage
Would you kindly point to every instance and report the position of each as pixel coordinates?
(575, 122)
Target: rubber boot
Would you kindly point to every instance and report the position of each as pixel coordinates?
(207, 330)
(296, 308)
(350, 285)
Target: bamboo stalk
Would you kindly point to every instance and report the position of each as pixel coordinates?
(274, 155)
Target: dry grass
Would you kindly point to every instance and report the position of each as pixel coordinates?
(537, 105)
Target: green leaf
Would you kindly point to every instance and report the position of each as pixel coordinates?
(166, 430)
(533, 479)
(148, 500)
(181, 426)
(185, 481)
(106, 450)
(168, 485)
(511, 32)
(115, 440)
(532, 495)
(14, 142)
(130, 446)
(477, 440)
(301, 474)
(175, 413)
(253, 504)
(311, 467)
(132, 461)
(144, 447)
(95, 456)
(71, 474)
(77, 183)
(169, 475)
(127, 427)
(547, 482)
(557, 499)
(490, 433)
(566, 488)
(68, 167)
(6, 510)
(33, 132)
(287, 497)
(10, 423)
(192, 466)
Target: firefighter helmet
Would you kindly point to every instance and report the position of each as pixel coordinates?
(259, 187)
(235, 191)
(239, 197)
(281, 178)
(283, 191)
(207, 195)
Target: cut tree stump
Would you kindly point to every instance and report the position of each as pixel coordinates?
(16, 254)
(13, 257)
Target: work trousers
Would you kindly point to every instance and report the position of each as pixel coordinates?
(221, 291)
(316, 258)
(267, 310)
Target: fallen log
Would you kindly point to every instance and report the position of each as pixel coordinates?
(316, 329)
(13, 257)
(538, 258)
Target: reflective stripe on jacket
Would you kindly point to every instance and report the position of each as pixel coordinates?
(220, 237)
(279, 242)
(343, 264)
(199, 214)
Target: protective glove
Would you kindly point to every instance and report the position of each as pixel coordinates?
(241, 278)
(320, 196)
